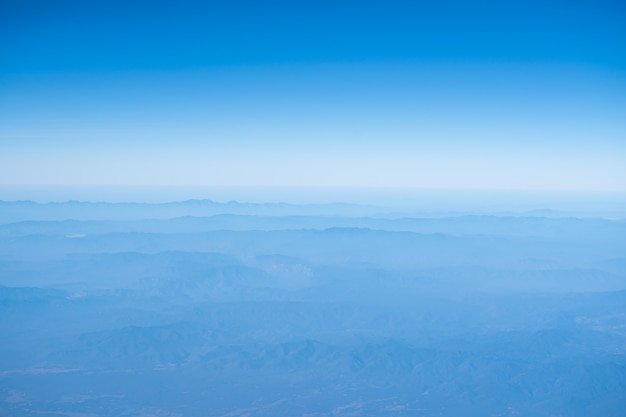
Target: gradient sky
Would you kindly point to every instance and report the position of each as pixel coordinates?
(442, 94)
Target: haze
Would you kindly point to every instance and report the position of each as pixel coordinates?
(312, 208)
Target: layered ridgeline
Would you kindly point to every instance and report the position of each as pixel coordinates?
(208, 309)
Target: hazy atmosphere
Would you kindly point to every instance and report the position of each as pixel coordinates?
(312, 208)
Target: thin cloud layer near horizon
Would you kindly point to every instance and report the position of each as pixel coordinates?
(457, 95)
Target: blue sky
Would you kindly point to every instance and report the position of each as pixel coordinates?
(447, 94)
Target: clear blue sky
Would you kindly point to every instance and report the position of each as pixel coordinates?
(442, 94)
